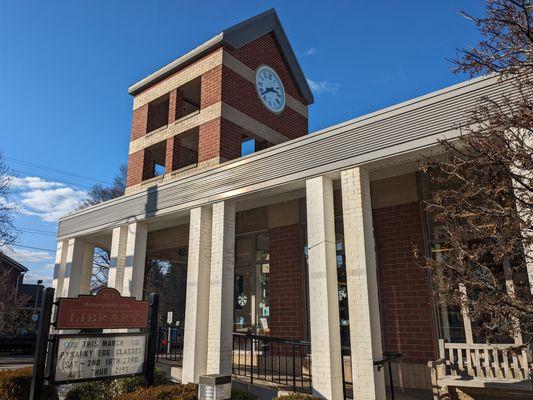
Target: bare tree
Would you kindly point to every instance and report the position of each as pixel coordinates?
(99, 194)
(8, 232)
(14, 313)
(482, 189)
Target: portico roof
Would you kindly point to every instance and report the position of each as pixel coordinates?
(236, 37)
(407, 128)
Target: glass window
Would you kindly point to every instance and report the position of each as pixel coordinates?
(252, 284)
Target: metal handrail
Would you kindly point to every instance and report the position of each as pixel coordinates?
(279, 360)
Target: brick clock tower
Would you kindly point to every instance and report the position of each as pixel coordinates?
(241, 91)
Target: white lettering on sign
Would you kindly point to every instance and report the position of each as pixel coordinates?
(80, 358)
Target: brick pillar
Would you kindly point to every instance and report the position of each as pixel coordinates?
(140, 122)
(197, 301)
(139, 167)
(59, 267)
(220, 140)
(323, 297)
(115, 278)
(135, 260)
(361, 273)
(172, 157)
(78, 268)
(175, 105)
(220, 335)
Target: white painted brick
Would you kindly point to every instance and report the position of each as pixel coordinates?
(135, 262)
(197, 301)
(119, 239)
(323, 300)
(361, 272)
(220, 332)
(77, 268)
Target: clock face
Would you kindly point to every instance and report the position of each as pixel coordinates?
(270, 89)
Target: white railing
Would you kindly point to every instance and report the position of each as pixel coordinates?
(485, 361)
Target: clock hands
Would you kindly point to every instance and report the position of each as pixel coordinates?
(268, 90)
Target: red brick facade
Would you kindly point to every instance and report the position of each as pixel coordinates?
(139, 122)
(286, 282)
(242, 95)
(219, 139)
(138, 167)
(407, 312)
(265, 51)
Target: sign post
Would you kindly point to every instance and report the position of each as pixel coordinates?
(152, 339)
(95, 356)
(43, 332)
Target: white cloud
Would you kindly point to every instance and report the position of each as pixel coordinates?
(49, 266)
(310, 51)
(323, 86)
(47, 200)
(23, 255)
(51, 204)
(34, 182)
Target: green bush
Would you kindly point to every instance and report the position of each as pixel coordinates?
(15, 385)
(296, 396)
(105, 390)
(94, 390)
(165, 392)
(240, 395)
(128, 385)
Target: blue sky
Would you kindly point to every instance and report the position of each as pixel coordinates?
(65, 67)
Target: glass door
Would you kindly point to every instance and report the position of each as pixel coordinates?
(252, 284)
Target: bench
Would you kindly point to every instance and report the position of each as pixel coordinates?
(490, 366)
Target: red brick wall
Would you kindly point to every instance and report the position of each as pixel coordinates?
(219, 138)
(242, 95)
(222, 84)
(139, 122)
(172, 156)
(265, 51)
(175, 106)
(286, 285)
(139, 167)
(211, 87)
(404, 291)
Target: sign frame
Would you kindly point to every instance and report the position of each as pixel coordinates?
(106, 302)
(55, 349)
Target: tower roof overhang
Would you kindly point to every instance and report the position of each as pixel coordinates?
(236, 37)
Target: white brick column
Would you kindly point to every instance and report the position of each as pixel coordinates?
(78, 268)
(197, 301)
(323, 290)
(220, 334)
(59, 267)
(115, 278)
(361, 273)
(135, 262)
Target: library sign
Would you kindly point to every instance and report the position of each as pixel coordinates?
(62, 358)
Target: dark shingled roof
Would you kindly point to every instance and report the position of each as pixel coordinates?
(236, 37)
